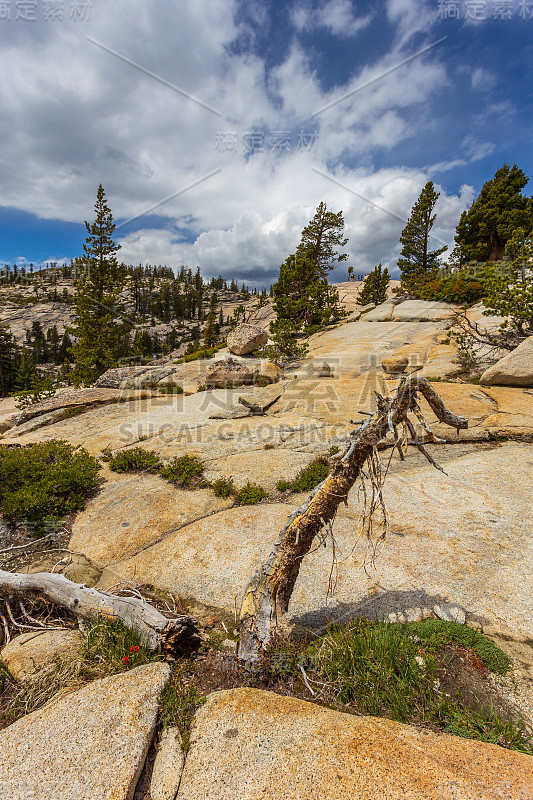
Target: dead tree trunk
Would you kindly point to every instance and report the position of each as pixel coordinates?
(175, 636)
(267, 595)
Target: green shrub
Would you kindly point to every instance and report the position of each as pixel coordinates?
(135, 459)
(45, 481)
(308, 477)
(250, 494)
(184, 471)
(205, 352)
(456, 288)
(170, 389)
(223, 487)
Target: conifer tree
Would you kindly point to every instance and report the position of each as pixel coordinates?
(100, 324)
(375, 286)
(302, 294)
(417, 262)
(487, 226)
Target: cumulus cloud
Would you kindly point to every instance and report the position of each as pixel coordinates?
(235, 203)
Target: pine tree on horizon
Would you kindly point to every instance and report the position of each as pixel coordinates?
(100, 324)
(417, 262)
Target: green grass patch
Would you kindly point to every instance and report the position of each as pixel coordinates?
(179, 702)
(45, 481)
(435, 633)
(68, 413)
(373, 666)
(134, 460)
(184, 470)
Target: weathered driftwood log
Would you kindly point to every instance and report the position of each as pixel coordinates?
(177, 636)
(267, 595)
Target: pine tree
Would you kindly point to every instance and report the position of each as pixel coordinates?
(484, 230)
(100, 324)
(210, 330)
(302, 294)
(8, 360)
(375, 286)
(418, 263)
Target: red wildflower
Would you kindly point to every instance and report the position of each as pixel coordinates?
(125, 659)
(134, 648)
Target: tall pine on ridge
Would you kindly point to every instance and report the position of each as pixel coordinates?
(100, 324)
(417, 262)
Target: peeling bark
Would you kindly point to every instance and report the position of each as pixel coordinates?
(177, 636)
(268, 593)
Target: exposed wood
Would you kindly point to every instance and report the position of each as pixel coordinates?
(176, 636)
(267, 596)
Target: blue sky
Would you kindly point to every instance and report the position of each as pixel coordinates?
(220, 125)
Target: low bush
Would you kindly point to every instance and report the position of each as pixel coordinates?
(45, 481)
(308, 477)
(205, 352)
(134, 460)
(250, 494)
(184, 471)
(223, 487)
(456, 288)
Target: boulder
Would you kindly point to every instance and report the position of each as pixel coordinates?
(260, 400)
(228, 372)
(423, 311)
(271, 372)
(114, 378)
(133, 512)
(381, 313)
(442, 361)
(514, 369)
(431, 556)
(30, 652)
(231, 412)
(245, 339)
(248, 743)
(71, 399)
(395, 364)
(89, 744)
(168, 766)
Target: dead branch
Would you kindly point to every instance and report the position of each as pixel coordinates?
(268, 593)
(175, 636)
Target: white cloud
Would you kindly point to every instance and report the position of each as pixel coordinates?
(339, 17)
(85, 116)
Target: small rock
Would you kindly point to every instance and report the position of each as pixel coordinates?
(420, 661)
(229, 646)
(413, 614)
(245, 339)
(271, 372)
(260, 401)
(395, 364)
(168, 766)
(27, 654)
(231, 412)
(450, 613)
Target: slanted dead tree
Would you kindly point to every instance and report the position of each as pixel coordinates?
(268, 593)
(175, 636)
